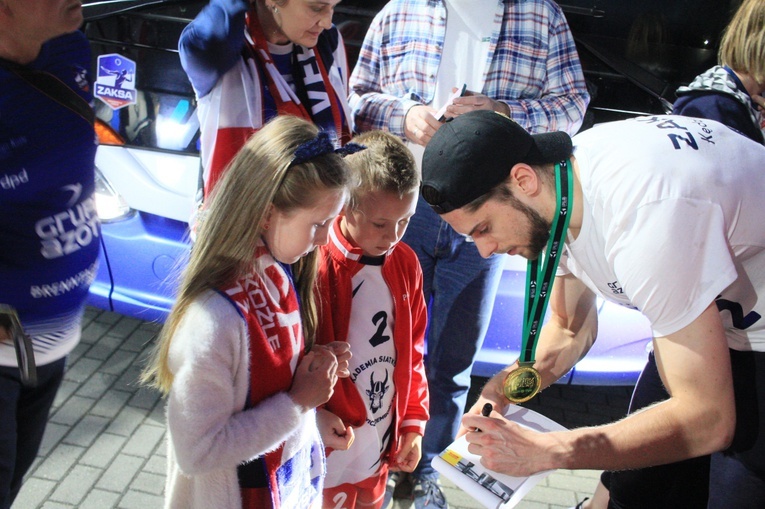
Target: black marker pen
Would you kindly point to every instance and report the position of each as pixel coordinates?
(485, 411)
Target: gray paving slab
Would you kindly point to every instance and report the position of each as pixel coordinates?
(104, 446)
(76, 485)
(98, 499)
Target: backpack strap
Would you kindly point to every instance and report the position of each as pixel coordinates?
(55, 89)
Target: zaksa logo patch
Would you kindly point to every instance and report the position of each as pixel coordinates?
(115, 81)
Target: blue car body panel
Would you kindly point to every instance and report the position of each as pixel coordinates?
(140, 263)
(101, 287)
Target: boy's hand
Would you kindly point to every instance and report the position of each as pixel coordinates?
(472, 101)
(6, 326)
(334, 433)
(409, 452)
(315, 378)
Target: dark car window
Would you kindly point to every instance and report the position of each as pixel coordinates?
(352, 18)
(163, 114)
(636, 54)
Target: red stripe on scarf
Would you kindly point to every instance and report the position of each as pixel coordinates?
(270, 307)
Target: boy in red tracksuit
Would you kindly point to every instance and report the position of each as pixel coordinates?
(370, 288)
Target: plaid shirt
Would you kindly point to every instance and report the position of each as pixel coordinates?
(532, 65)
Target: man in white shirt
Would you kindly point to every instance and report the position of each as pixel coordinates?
(666, 218)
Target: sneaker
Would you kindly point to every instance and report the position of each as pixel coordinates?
(393, 479)
(427, 493)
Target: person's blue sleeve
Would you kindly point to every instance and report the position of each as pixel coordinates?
(210, 45)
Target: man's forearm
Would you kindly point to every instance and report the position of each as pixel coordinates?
(666, 432)
(560, 349)
(698, 418)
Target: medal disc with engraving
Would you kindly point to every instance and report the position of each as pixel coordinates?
(522, 384)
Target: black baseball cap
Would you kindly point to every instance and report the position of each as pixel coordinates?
(474, 152)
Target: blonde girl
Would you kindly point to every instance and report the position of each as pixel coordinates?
(231, 357)
(732, 92)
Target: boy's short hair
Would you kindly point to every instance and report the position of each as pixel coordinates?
(386, 165)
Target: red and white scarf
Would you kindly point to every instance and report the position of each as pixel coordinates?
(292, 474)
(236, 107)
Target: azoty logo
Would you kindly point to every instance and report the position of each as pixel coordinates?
(115, 81)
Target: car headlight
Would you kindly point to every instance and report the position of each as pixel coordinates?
(111, 206)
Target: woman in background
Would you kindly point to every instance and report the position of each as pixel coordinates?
(251, 60)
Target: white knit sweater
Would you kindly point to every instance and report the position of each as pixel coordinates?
(208, 432)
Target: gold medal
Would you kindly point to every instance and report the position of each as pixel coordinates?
(522, 384)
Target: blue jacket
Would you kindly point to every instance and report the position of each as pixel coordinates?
(49, 228)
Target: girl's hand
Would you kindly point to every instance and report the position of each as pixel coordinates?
(759, 102)
(342, 351)
(314, 379)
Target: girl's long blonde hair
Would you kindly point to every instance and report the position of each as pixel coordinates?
(259, 175)
(742, 47)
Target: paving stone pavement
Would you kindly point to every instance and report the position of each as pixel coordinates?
(104, 444)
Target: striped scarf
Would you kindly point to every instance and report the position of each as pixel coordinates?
(290, 476)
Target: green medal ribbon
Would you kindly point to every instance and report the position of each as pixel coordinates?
(523, 383)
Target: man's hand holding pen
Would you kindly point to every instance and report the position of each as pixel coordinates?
(505, 446)
(485, 412)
